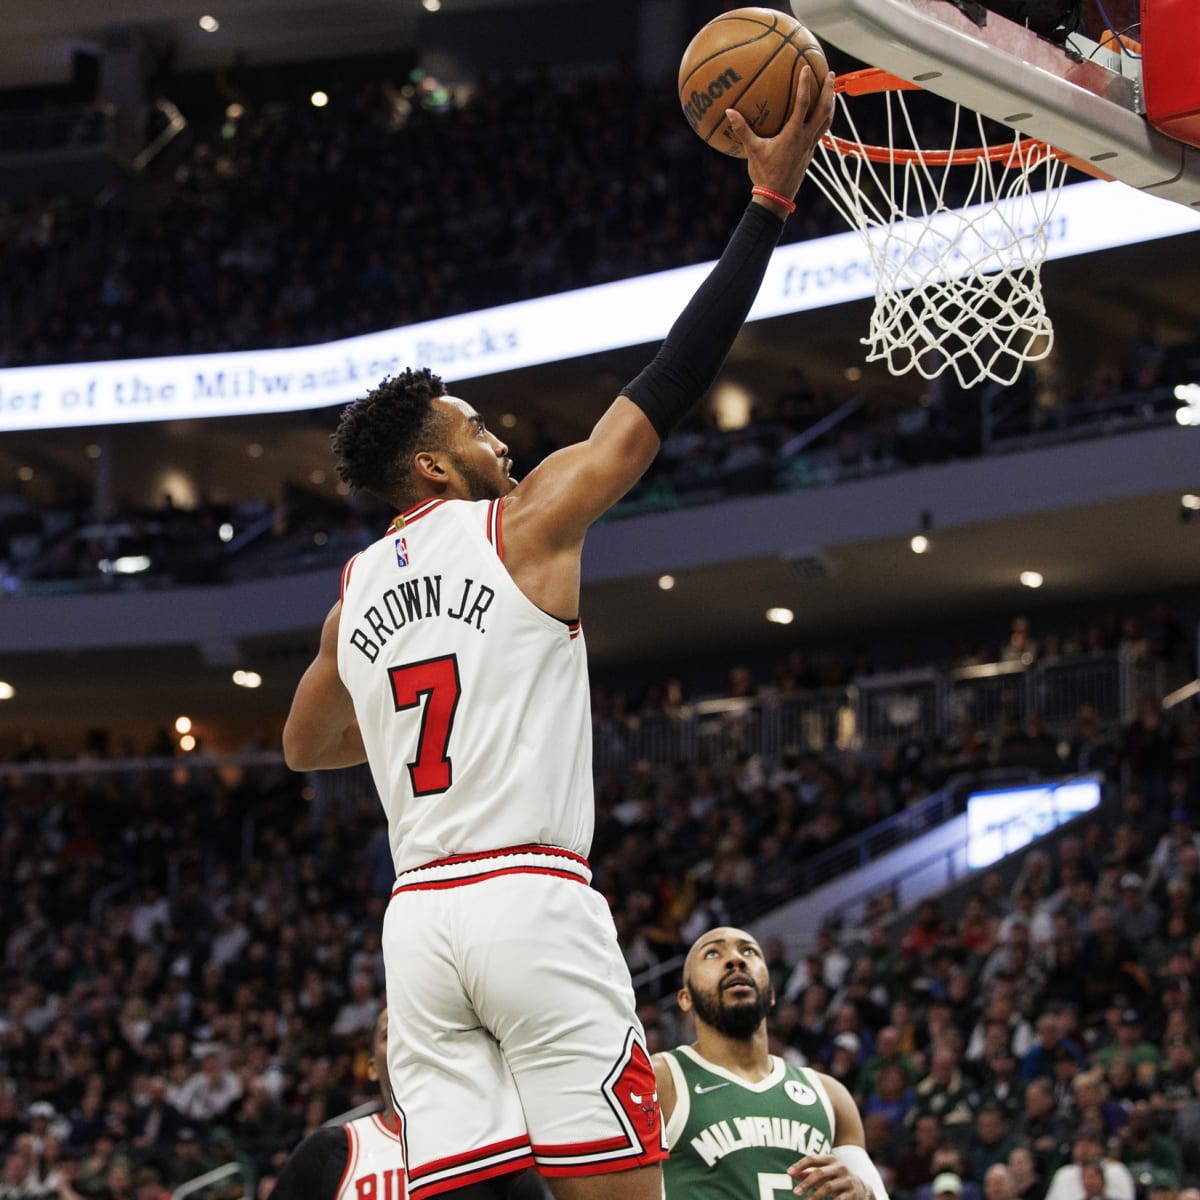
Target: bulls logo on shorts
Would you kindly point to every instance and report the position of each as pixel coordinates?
(633, 1089)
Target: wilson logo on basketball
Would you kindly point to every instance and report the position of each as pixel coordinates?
(699, 102)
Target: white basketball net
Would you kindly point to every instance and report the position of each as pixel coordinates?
(956, 288)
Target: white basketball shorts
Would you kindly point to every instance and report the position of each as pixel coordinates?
(512, 1035)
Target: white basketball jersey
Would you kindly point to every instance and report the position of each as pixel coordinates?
(473, 703)
(375, 1168)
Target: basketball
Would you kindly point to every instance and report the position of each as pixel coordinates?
(749, 59)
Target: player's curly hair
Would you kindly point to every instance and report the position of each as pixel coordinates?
(379, 433)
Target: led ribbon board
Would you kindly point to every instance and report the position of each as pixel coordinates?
(802, 277)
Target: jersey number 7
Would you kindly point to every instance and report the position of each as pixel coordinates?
(433, 684)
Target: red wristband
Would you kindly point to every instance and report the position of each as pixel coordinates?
(767, 193)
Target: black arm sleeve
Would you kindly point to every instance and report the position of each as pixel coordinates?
(314, 1169)
(689, 359)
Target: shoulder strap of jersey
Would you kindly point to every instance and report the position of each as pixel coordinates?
(678, 1120)
(818, 1085)
(346, 570)
(494, 534)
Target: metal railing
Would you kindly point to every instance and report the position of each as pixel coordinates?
(879, 711)
(854, 852)
(174, 123)
(229, 1170)
(883, 838)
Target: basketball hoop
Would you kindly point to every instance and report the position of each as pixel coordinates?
(957, 237)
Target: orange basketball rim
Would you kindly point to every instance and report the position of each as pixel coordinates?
(871, 81)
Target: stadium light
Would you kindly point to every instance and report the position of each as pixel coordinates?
(1188, 394)
(128, 564)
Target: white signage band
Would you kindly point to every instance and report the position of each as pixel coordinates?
(802, 276)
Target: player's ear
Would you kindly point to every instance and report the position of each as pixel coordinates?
(428, 465)
(684, 999)
(372, 1070)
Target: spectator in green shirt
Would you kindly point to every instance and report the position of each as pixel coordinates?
(1131, 1045)
(1142, 1149)
(888, 1052)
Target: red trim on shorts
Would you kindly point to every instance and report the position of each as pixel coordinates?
(573, 1148)
(480, 855)
(467, 1157)
(460, 1181)
(439, 884)
(469, 1174)
(604, 1166)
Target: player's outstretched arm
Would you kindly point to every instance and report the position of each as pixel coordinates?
(322, 731)
(577, 485)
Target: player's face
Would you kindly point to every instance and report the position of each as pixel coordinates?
(478, 457)
(726, 983)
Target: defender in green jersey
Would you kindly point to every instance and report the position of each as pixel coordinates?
(742, 1124)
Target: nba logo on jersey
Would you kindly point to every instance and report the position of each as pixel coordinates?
(401, 552)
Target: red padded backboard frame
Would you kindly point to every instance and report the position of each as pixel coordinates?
(1081, 100)
(1170, 39)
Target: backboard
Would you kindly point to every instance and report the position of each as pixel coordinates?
(1085, 98)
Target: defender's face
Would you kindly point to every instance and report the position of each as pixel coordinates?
(727, 982)
(478, 457)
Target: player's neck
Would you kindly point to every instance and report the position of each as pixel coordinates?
(748, 1057)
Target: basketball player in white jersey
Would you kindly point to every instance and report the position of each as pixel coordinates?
(364, 1158)
(361, 1160)
(740, 1122)
(454, 665)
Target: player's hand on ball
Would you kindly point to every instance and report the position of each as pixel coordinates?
(823, 1177)
(779, 162)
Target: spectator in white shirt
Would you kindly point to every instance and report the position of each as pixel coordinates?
(358, 1014)
(1088, 1147)
(211, 1091)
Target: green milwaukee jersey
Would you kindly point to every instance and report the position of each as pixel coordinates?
(734, 1140)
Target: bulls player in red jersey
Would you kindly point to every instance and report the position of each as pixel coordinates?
(453, 663)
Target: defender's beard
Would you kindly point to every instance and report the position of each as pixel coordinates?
(736, 1019)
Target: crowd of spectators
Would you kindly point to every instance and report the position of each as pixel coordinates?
(1036, 1034)
(281, 224)
(191, 965)
(289, 224)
